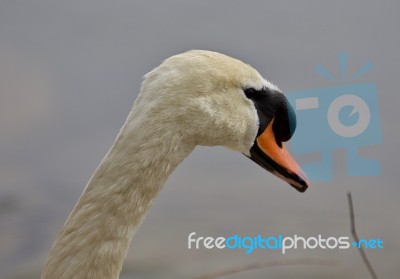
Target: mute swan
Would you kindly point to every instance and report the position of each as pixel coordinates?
(194, 98)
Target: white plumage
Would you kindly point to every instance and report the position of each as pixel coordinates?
(194, 98)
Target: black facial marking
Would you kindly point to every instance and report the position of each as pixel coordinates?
(269, 104)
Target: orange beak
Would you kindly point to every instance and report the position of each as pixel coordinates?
(275, 158)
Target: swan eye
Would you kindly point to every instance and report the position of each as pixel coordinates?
(269, 104)
(262, 104)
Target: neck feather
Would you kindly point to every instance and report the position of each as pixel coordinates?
(94, 240)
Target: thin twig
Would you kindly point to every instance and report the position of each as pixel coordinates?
(251, 266)
(355, 236)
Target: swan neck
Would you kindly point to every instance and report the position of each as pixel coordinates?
(94, 240)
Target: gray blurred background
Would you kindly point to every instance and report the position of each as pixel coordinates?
(70, 71)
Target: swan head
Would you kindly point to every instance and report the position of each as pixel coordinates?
(211, 99)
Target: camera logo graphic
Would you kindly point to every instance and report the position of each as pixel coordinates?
(339, 117)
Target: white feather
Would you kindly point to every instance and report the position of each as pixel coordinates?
(194, 98)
